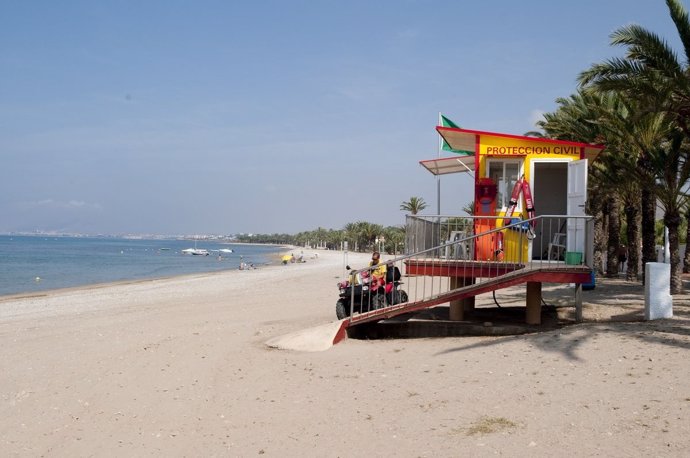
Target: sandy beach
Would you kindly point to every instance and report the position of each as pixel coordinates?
(180, 367)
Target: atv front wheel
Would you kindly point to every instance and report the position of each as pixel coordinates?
(341, 309)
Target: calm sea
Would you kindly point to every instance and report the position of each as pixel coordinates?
(32, 263)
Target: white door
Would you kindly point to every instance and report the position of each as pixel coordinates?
(577, 196)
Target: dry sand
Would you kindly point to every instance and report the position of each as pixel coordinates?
(180, 367)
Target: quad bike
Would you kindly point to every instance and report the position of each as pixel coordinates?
(369, 293)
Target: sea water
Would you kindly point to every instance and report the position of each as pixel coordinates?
(38, 263)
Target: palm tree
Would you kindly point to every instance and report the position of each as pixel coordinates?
(671, 161)
(469, 208)
(634, 133)
(395, 239)
(369, 233)
(414, 205)
(652, 75)
(629, 132)
(632, 217)
(351, 233)
(665, 175)
(334, 238)
(686, 259)
(361, 235)
(650, 71)
(576, 120)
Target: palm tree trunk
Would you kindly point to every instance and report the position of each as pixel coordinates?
(614, 239)
(672, 222)
(648, 243)
(597, 209)
(632, 212)
(686, 259)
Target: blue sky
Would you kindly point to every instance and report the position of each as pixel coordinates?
(180, 117)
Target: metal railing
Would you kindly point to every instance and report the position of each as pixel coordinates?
(447, 253)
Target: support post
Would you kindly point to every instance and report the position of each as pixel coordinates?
(533, 302)
(457, 311)
(578, 302)
(458, 307)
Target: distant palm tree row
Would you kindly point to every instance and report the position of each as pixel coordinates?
(360, 235)
(639, 107)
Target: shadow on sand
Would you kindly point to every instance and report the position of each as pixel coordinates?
(615, 306)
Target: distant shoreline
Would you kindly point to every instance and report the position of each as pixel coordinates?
(188, 288)
(252, 243)
(97, 286)
(274, 257)
(36, 265)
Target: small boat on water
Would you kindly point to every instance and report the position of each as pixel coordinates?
(196, 251)
(222, 251)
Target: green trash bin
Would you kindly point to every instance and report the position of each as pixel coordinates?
(573, 258)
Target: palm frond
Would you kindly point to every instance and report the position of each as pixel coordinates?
(679, 15)
(648, 48)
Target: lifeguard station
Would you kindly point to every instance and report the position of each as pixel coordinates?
(529, 226)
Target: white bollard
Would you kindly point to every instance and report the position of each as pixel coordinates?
(658, 302)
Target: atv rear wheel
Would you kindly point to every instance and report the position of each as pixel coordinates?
(341, 309)
(379, 301)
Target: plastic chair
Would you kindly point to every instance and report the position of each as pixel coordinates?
(557, 245)
(460, 250)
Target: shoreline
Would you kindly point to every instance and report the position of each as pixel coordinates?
(57, 301)
(274, 261)
(270, 259)
(97, 286)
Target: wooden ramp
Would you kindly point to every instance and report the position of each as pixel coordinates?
(494, 276)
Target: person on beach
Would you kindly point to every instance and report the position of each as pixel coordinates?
(622, 257)
(378, 269)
